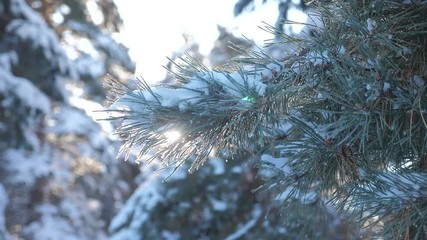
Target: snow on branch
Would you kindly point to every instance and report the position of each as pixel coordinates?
(205, 110)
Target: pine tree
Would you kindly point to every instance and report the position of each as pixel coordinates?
(338, 125)
(58, 174)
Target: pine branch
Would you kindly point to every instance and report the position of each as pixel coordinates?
(354, 95)
(217, 110)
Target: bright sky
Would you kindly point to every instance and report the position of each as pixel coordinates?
(153, 29)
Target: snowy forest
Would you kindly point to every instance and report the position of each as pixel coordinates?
(320, 134)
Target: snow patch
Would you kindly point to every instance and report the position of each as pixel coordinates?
(371, 25)
(146, 197)
(239, 84)
(401, 186)
(93, 110)
(20, 8)
(24, 91)
(30, 32)
(280, 163)
(341, 49)
(27, 167)
(386, 86)
(218, 205)
(242, 230)
(74, 121)
(218, 165)
(8, 59)
(417, 81)
(50, 226)
(168, 235)
(90, 66)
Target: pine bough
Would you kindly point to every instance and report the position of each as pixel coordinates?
(340, 121)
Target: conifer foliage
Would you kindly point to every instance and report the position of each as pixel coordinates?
(339, 124)
(58, 175)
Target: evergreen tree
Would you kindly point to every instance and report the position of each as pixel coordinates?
(338, 125)
(213, 203)
(58, 173)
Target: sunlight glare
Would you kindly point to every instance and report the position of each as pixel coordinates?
(172, 135)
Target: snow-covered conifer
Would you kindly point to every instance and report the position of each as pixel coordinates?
(338, 125)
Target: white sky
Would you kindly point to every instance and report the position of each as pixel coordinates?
(153, 29)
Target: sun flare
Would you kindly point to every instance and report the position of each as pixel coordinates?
(172, 135)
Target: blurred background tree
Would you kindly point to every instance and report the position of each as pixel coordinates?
(59, 176)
